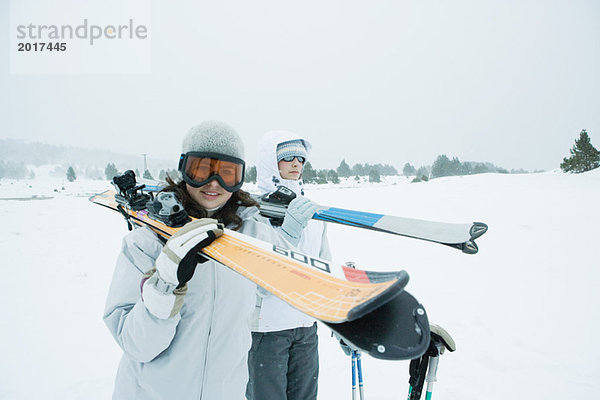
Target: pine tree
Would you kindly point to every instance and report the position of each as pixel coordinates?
(344, 170)
(321, 177)
(409, 170)
(71, 174)
(443, 166)
(440, 167)
(308, 173)
(110, 171)
(584, 156)
(333, 177)
(423, 172)
(374, 176)
(147, 175)
(250, 175)
(358, 170)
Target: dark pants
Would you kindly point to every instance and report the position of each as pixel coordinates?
(284, 365)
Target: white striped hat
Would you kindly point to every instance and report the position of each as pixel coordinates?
(291, 148)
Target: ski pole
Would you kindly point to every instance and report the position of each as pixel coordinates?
(418, 370)
(443, 341)
(424, 368)
(360, 378)
(353, 375)
(431, 373)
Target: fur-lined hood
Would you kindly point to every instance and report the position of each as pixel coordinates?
(267, 171)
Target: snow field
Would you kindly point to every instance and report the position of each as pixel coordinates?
(523, 312)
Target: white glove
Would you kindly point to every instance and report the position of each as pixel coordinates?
(164, 286)
(299, 212)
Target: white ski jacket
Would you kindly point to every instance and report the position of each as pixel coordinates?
(200, 354)
(271, 313)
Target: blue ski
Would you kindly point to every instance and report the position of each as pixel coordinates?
(459, 236)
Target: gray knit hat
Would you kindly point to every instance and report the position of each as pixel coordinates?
(214, 137)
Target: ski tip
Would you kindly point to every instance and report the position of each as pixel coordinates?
(397, 330)
(394, 290)
(477, 230)
(470, 247)
(93, 198)
(440, 335)
(358, 275)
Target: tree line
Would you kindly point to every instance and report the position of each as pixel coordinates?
(322, 176)
(15, 170)
(111, 171)
(442, 166)
(584, 157)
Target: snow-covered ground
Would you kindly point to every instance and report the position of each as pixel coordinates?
(524, 311)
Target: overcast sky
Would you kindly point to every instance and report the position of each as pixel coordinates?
(509, 82)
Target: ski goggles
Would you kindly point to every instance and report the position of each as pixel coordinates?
(291, 158)
(199, 168)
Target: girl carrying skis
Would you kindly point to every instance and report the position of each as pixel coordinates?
(183, 327)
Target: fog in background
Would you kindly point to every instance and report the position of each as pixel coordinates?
(512, 82)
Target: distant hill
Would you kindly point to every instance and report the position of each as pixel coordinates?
(25, 154)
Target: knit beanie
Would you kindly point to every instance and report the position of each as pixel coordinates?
(214, 137)
(291, 148)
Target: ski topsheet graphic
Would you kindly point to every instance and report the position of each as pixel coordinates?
(370, 310)
(460, 236)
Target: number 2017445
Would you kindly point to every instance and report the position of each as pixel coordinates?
(42, 46)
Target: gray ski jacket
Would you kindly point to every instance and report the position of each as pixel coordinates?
(201, 353)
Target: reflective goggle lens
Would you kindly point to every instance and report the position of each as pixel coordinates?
(200, 169)
(291, 158)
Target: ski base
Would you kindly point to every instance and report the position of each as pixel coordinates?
(397, 330)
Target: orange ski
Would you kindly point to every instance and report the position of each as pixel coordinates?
(325, 290)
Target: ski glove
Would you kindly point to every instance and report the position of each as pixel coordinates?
(165, 285)
(299, 212)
